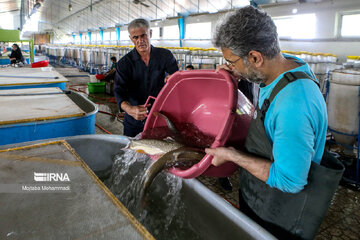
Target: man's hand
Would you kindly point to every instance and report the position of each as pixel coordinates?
(234, 74)
(222, 155)
(138, 112)
(167, 78)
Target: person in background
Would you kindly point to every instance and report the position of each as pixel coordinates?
(287, 179)
(189, 67)
(16, 55)
(109, 75)
(139, 74)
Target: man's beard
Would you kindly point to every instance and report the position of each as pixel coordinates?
(251, 74)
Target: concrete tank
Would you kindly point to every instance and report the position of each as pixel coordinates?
(343, 105)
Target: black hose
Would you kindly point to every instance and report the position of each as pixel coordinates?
(34, 94)
(9, 76)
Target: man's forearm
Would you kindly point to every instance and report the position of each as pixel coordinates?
(126, 106)
(258, 167)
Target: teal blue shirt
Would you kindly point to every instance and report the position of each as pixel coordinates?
(296, 124)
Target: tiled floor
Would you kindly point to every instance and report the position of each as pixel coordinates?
(341, 222)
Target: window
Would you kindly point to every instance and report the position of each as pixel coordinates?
(198, 30)
(85, 38)
(7, 21)
(106, 36)
(77, 38)
(349, 25)
(97, 37)
(124, 35)
(171, 32)
(155, 32)
(301, 26)
(113, 36)
(66, 39)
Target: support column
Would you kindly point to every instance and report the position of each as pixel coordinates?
(181, 23)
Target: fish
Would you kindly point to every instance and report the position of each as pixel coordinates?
(186, 159)
(153, 146)
(171, 159)
(173, 153)
(169, 123)
(175, 132)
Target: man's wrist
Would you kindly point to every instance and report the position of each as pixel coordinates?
(125, 106)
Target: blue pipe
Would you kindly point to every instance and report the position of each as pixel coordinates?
(118, 33)
(181, 22)
(102, 35)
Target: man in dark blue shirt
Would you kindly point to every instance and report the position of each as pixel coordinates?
(139, 74)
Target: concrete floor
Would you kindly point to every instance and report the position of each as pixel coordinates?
(341, 222)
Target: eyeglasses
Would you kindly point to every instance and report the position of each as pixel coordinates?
(232, 63)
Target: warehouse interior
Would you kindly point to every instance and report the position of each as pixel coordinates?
(66, 156)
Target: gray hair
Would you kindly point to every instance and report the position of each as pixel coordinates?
(139, 23)
(247, 29)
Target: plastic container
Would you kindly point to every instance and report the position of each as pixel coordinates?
(100, 76)
(44, 63)
(211, 102)
(96, 87)
(93, 79)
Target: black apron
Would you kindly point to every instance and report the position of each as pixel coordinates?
(286, 215)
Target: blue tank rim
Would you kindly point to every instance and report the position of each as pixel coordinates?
(77, 96)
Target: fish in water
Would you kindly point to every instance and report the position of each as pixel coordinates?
(153, 146)
(174, 153)
(173, 158)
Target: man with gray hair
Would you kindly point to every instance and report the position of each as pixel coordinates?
(139, 74)
(287, 180)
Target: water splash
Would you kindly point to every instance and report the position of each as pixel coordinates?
(163, 213)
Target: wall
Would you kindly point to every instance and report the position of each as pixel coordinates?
(41, 38)
(327, 39)
(10, 21)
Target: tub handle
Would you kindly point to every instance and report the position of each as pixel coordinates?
(147, 101)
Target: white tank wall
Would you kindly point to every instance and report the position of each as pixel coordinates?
(343, 105)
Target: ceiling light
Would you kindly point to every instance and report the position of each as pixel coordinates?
(294, 11)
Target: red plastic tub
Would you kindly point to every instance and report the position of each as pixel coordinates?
(99, 76)
(44, 63)
(212, 102)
